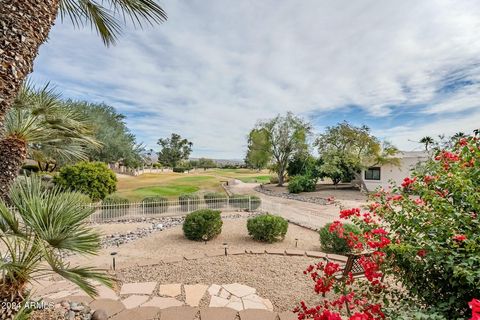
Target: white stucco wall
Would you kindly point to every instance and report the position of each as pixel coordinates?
(390, 172)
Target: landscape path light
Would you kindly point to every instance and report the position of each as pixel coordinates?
(225, 245)
(113, 254)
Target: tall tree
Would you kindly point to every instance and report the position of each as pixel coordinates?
(287, 135)
(41, 126)
(118, 143)
(345, 148)
(25, 26)
(259, 150)
(173, 150)
(427, 141)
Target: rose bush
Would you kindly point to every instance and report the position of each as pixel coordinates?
(424, 233)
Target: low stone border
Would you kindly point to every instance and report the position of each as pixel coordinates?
(292, 196)
(235, 252)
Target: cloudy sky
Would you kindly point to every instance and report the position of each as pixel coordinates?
(405, 68)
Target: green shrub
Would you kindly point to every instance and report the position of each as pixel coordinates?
(332, 243)
(303, 183)
(29, 168)
(94, 179)
(203, 224)
(267, 228)
(245, 202)
(179, 169)
(189, 202)
(114, 206)
(155, 204)
(215, 200)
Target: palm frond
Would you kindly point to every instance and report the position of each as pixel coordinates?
(105, 19)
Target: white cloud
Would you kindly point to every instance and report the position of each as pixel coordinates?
(216, 67)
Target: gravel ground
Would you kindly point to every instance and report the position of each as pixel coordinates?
(172, 242)
(278, 278)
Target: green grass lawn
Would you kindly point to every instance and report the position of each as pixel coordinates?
(172, 185)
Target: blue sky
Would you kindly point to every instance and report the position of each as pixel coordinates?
(405, 68)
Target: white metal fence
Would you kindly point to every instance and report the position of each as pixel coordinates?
(178, 207)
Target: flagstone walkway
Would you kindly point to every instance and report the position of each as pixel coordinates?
(152, 300)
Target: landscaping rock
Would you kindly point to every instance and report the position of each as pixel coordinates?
(99, 315)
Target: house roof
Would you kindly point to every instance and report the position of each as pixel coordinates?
(412, 154)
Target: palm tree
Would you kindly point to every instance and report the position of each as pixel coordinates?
(427, 141)
(41, 126)
(25, 25)
(458, 135)
(42, 225)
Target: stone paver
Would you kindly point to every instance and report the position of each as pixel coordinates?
(134, 301)
(172, 259)
(171, 290)
(218, 302)
(253, 314)
(293, 252)
(250, 304)
(216, 253)
(253, 297)
(142, 313)
(268, 304)
(256, 251)
(194, 256)
(236, 252)
(337, 257)
(162, 303)
(276, 251)
(80, 299)
(107, 293)
(239, 290)
(194, 293)
(214, 289)
(218, 314)
(59, 295)
(178, 313)
(224, 294)
(235, 305)
(111, 307)
(316, 254)
(138, 288)
(288, 316)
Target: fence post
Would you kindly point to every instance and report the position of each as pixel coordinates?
(249, 203)
(188, 204)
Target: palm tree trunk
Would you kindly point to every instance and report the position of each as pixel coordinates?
(13, 153)
(24, 26)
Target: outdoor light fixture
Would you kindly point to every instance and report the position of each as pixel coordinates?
(296, 242)
(205, 238)
(113, 259)
(225, 245)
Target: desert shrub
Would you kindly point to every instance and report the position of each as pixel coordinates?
(303, 183)
(331, 242)
(189, 202)
(203, 224)
(30, 168)
(94, 179)
(274, 179)
(155, 204)
(245, 201)
(114, 206)
(215, 200)
(267, 228)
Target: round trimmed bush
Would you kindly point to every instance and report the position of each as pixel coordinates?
(189, 202)
(302, 183)
(155, 205)
(94, 179)
(203, 224)
(267, 228)
(215, 200)
(245, 201)
(115, 206)
(332, 243)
